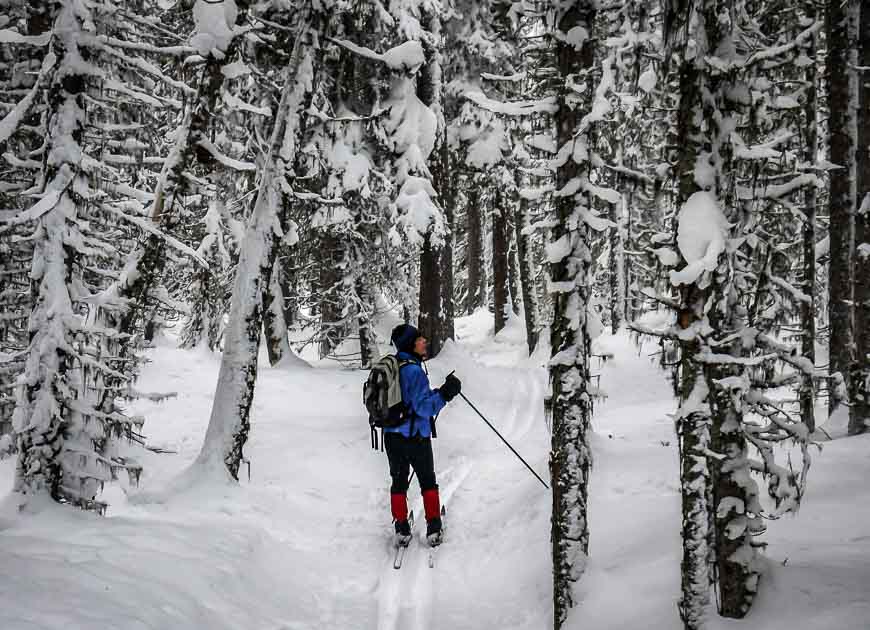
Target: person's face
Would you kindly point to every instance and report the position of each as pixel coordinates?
(420, 346)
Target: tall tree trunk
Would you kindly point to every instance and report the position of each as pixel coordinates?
(367, 346)
(516, 298)
(230, 416)
(500, 290)
(331, 287)
(807, 391)
(617, 265)
(436, 260)
(859, 413)
(474, 253)
(570, 458)
(840, 78)
(693, 426)
(527, 276)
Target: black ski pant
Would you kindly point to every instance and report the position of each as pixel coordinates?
(405, 453)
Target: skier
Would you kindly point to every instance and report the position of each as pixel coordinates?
(409, 444)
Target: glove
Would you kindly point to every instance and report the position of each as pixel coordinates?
(451, 387)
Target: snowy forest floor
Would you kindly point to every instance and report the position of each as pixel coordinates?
(305, 543)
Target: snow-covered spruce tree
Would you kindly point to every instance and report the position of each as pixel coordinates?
(230, 417)
(841, 23)
(859, 413)
(436, 258)
(570, 25)
(351, 217)
(727, 417)
(64, 438)
(141, 285)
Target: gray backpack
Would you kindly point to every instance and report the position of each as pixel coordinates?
(382, 395)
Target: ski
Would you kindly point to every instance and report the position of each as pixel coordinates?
(432, 551)
(400, 556)
(401, 548)
(434, 548)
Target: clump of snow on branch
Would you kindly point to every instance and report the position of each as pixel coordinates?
(411, 127)
(701, 234)
(214, 25)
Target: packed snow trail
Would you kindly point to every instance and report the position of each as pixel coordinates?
(305, 543)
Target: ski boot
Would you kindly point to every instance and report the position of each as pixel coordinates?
(403, 533)
(434, 531)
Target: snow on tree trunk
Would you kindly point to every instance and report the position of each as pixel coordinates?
(274, 326)
(516, 297)
(693, 420)
(617, 265)
(569, 256)
(859, 413)
(841, 81)
(500, 292)
(230, 417)
(807, 391)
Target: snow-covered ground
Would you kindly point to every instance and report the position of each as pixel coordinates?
(305, 543)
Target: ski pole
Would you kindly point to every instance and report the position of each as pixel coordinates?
(470, 404)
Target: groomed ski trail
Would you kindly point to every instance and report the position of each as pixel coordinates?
(405, 596)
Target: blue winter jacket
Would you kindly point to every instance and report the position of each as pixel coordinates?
(422, 401)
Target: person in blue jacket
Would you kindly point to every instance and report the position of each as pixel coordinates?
(410, 444)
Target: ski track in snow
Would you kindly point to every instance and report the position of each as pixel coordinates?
(406, 602)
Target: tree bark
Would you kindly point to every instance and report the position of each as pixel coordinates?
(840, 28)
(570, 457)
(526, 270)
(332, 329)
(693, 428)
(436, 260)
(617, 265)
(516, 298)
(859, 412)
(500, 290)
(474, 253)
(807, 391)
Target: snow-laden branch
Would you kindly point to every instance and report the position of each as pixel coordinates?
(99, 43)
(776, 51)
(546, 105)
(147, 226)
(11, 120)
(226, 160)
(406, 56)
(8, 36)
